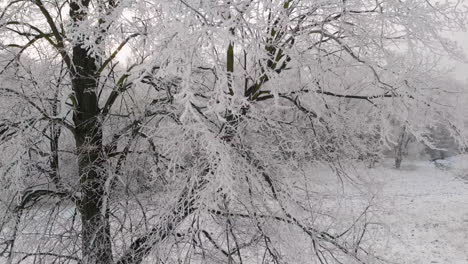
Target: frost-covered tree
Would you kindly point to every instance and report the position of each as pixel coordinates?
(176, 130)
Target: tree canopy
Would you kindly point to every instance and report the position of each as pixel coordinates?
(171, 130)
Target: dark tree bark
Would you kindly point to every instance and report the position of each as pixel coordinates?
(96, 241)
(402, 144)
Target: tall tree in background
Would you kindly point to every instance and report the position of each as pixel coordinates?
(220, 103)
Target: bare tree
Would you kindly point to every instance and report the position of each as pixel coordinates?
(217, 109)
(401, 146)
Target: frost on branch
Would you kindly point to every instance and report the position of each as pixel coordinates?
(166, 131)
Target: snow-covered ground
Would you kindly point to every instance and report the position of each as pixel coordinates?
(420, 211)
(425, 206)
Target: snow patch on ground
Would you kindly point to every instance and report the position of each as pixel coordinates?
(425, 205)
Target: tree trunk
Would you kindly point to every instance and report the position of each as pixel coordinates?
(96, 244)
(402, 143)
(95, 233)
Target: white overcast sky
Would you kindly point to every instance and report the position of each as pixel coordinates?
(460, 68)
(460, 71)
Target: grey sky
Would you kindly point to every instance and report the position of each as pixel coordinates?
(460, 71)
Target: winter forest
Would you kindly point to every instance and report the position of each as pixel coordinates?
(233, 131)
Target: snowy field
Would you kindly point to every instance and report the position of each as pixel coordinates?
(420, 211)
(425, 205)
